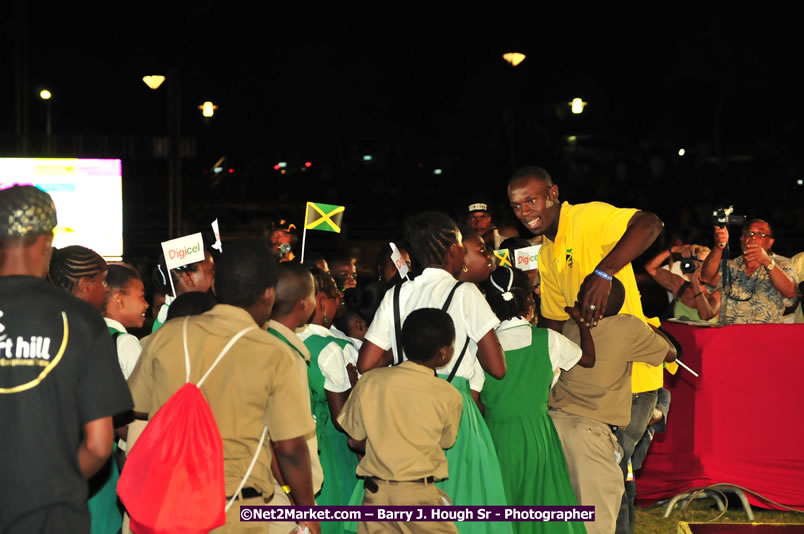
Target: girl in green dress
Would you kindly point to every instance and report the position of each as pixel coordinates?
(329, 389)
(533, 467)
(437, 248)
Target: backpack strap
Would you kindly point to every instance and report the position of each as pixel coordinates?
(397, 324)
(223, 352)
(444, 308)
(186, 350)
(250, 467)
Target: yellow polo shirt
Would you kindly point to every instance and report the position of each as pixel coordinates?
(586, 234)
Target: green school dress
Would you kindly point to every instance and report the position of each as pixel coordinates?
(534, 470)
(338, 461)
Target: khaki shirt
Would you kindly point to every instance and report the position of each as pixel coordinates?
(407, 416)
(257, 383)
(302, 361)
(603, 392)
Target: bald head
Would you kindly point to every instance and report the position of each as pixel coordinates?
(295, 283)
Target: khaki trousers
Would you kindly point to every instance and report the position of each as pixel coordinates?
(234, 525)
(406, 494)
(593, 456)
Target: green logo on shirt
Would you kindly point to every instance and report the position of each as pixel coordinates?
(569, 257)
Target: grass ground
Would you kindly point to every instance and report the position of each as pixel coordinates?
(652, 521)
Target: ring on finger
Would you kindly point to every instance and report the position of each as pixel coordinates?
(592, 307)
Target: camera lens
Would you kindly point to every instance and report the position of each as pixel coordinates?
(687, 266)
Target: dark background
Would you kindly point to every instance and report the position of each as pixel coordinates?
(419, 89)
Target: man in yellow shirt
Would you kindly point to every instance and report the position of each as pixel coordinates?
(584, 247)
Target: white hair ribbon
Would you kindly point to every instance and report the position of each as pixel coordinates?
(506, 293)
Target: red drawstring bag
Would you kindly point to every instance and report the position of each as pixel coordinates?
(172, 481)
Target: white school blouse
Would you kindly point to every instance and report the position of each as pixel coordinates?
(470, 314)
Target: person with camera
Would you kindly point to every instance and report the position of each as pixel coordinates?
(692, 301)
(755, 287)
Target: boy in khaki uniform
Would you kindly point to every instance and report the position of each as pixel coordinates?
(293, 306)
(404, 416)
(588, 404)
(259, 383)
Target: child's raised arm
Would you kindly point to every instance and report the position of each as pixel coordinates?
(587, 344)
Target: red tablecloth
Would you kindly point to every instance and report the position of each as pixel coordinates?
(740, 422)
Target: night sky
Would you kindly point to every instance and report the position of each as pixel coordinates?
(422, 88)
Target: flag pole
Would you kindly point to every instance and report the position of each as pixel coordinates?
(170, 277)
(304, 238)
(687, 368)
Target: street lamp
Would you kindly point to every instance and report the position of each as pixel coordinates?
(514, 58)
(577, 105)
(46, 95)
(153, 81)
(207, 109)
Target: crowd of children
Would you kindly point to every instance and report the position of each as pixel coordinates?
(434, 389)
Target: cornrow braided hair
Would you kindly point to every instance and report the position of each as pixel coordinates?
(324, 282)
(119, 274)
(430, 235)
(70, 264)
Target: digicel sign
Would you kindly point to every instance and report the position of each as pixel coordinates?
(182, 253)
(183, 250)
(527, 257)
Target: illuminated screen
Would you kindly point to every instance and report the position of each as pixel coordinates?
(88, 194)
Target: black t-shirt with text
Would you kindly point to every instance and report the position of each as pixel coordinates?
(58, 371)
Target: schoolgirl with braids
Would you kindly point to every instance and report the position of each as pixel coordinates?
(534, 469)
(82, 272)
(328, 377)
(438, 252)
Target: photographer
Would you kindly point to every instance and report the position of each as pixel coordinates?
(691, 299)
(756, 286)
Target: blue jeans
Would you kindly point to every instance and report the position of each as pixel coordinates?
(642, 405)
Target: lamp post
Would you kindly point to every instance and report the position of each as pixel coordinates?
(154, 82)
(508, 115)
(46, 95)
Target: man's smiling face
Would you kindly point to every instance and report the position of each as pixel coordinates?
(535, 204)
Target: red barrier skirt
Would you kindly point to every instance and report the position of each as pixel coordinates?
(741, 422)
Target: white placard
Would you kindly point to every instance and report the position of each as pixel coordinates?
(401, 265)
(183, 250)
(216, 230)
(525, 258)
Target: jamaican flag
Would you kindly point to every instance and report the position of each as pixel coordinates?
(324, 217)
(503, 256)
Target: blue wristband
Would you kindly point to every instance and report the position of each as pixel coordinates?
(603, 275)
